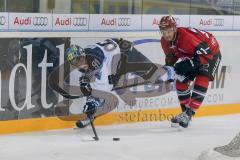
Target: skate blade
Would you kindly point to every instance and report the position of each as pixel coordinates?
(175, 125)
(88, 139)
(77, 128)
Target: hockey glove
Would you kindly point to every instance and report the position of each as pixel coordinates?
(113, 79)
(181, 78)
(186, 66)
(91, 106)
(85, 86)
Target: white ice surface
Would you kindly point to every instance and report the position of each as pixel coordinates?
(139, 141)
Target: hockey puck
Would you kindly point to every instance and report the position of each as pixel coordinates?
(116, 139)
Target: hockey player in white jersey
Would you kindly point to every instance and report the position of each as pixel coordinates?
(93, 60)
(102, 64)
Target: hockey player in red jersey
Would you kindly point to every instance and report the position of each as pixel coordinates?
(195, 56)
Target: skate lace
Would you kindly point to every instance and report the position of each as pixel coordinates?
(182, 116)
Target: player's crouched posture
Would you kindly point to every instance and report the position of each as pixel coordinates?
(93, 60)
(195, 56)
(98, 61)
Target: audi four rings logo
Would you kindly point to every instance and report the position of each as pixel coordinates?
(124, 21)
(218, 22)
(2, 20)
(80, 21)
(40, 21)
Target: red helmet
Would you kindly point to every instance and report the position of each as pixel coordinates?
(167, 22)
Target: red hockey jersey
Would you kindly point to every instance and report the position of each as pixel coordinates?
(190, 42)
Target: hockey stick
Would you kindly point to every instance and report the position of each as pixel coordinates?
(141, 83)
(96, 138)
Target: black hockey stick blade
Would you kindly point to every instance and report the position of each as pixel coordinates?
(96, 138)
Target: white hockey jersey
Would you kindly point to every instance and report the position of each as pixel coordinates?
(110, 50)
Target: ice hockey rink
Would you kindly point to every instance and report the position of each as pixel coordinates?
(138, 141)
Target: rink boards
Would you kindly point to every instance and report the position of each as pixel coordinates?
(36, 112)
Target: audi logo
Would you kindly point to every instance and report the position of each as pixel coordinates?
(80, 21)
(218, 22)
(124, 21)
(2, 20)
(40, 21)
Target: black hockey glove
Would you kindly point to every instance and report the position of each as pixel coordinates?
(113, 79)
(85, 86)
(182, 78)
(91, 106)
(124, 45)
(186, 66)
